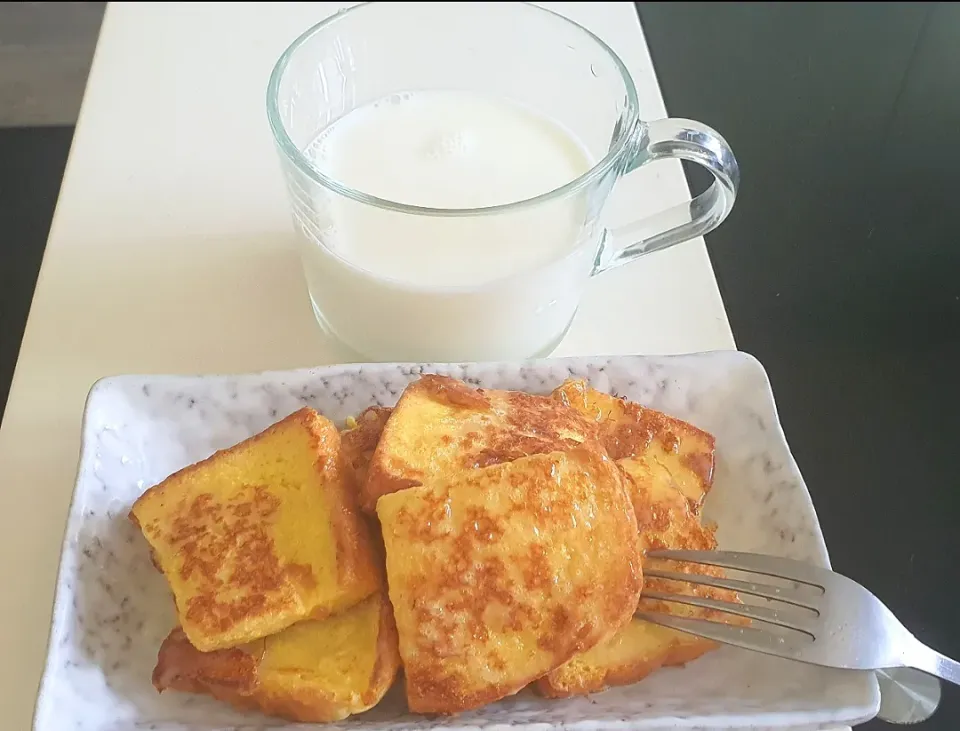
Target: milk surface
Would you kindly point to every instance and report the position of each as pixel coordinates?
(449, 150)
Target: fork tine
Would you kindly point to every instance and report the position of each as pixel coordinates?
(790, 620)
(784, 594)
(783, 568)
(749, 638)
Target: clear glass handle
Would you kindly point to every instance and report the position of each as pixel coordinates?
(681, 139)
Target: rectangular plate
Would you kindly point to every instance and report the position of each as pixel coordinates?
(113, 609)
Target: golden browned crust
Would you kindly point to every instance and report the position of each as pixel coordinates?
(360, 442)
(665, 517)
(359, 562)
(514, 531)
(227, 675)
(182, 667)
(681, 652)
(500, 574)
(628, 429)
(235, 676)
(387, 664)
(442, 426)
(678, 651)
(668, 467)
(241, 586)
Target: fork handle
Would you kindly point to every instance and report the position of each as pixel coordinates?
(931, 661)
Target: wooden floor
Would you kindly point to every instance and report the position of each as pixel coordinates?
(45, 54)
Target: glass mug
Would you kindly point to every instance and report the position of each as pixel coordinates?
(509, 50)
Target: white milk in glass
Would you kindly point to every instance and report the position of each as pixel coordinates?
(407, 286)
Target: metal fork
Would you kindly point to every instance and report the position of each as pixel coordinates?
(821, 618)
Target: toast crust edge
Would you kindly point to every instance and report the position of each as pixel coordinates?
(355, 553)
(231, 676)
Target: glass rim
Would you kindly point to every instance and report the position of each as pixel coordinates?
(305, 166)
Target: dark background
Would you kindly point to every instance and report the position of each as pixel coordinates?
(839, 267)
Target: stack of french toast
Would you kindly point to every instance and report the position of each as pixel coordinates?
(479, 541)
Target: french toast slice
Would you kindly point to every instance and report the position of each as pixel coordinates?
(261, 535)
(315, 671)
(497, 575)
(359, 441)
(442, 426)
(668, 466)
(627, 429)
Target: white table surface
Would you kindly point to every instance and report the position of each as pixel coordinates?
(170, 252)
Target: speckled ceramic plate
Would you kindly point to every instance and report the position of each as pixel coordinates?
(112, 608)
